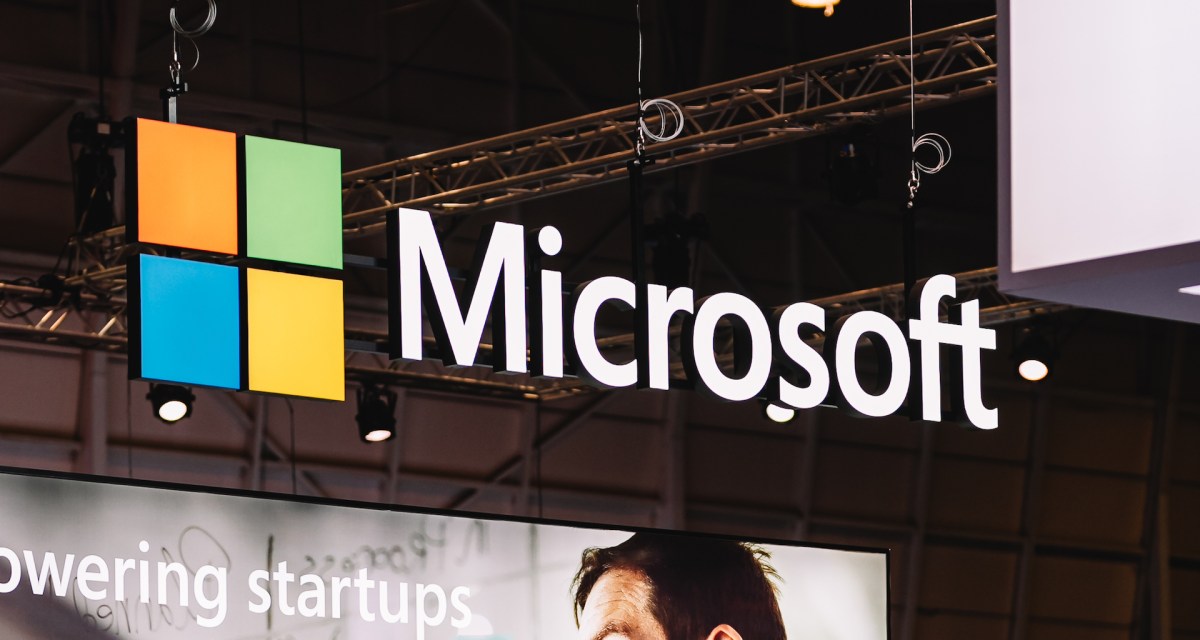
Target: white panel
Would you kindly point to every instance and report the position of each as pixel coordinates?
(1103, 133)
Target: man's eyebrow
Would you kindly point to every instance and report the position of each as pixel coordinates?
(619, 627)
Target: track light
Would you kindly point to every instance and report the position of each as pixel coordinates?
(376, 416)
(171, 402)
(777, 413)
(1033, 355)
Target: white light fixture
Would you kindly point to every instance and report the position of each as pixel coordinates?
(1033, 370)
(172, 411)
(171, 402)
(376, 416)
(827, 5)
(378, 435)
(779, 414)
(1192, 290)
(1034, 353)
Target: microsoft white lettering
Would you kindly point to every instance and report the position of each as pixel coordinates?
(771, 359)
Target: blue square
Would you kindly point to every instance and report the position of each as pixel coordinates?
(190, 322)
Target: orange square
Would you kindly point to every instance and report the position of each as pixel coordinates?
(186, 187)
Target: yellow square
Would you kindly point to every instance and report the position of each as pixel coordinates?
(294, 335)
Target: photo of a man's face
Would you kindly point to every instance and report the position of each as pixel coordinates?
(664, 587)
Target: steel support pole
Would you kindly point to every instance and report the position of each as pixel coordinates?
(256, 443)
(637, 252)
(124, 68)
(808, 471)
(916, 548)
(1035, 471)
(124, 57)
(93, 413)
(396, 446)
(1154, 574)
(673, 511)
(529, 436)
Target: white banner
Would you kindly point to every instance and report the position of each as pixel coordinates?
(134, 561)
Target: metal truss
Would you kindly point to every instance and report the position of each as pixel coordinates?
(995, 306)
(35, 313)
(798, 101)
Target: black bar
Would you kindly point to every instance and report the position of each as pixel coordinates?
(366, 346)
(637, 236)
(369, 262)
(910, 261)
(912, 406)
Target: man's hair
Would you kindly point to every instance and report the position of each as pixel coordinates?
(695, 584)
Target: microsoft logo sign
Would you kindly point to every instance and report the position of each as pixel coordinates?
(237, 280)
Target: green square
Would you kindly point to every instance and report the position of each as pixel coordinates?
(293, 196)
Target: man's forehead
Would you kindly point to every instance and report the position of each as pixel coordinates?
(621, 589)
(619, 604)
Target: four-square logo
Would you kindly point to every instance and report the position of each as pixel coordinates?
(237, 283)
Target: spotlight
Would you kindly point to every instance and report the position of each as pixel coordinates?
(376, 413)
(171, 402)
(1033, 355)
(777, 413)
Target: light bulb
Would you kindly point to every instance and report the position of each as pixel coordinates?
(1033, 370)
(780, 414)
(172, 411)
(378, 435)
(827, 5)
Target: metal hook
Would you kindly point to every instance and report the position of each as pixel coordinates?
(664, 108)
(198, 31)
(940, 145)
(196, 62)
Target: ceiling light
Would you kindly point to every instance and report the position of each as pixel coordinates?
(1034, 355)
(171, 402)
(1033, 370)
(777, 413)
(827, 5)
(376, 416)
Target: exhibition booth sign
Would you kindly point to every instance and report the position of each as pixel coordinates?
(236, 283)
(126, 559)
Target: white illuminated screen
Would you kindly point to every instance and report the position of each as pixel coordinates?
(513, 577)
(1104, 131)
